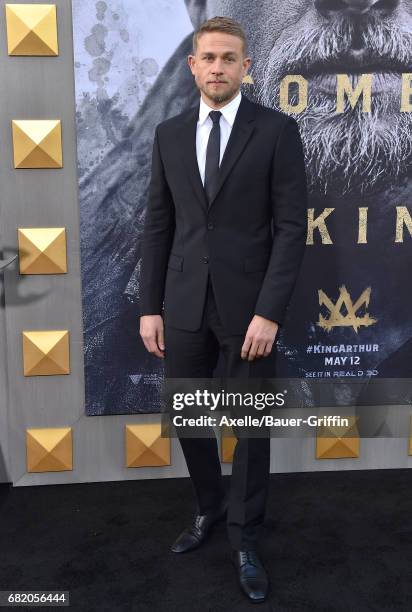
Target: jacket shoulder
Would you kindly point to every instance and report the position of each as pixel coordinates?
(176, 120)
(272, 114)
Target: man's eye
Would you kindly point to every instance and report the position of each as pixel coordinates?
(230, 59)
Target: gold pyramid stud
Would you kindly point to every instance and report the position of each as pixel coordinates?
(228, 443)
(338, 442)
(37, 143)
(49, 450)
(145, 447)
(31, 29)
(45, 353)
(42, 250)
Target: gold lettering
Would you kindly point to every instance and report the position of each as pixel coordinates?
(302, 95)
(363, 225)
(406, 106)
(363, 86)
(318, 223)
(403, 217)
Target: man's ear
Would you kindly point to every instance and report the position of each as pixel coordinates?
(197, 11)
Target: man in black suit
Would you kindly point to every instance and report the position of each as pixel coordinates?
(224, 237)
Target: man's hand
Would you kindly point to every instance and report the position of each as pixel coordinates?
(259, 338)
(152, 334)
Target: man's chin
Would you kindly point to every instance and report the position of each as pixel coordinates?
(219, 98)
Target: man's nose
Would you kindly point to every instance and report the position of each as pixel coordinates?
(217, 66)
(330, 8)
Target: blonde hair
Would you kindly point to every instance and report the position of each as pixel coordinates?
(221, 24)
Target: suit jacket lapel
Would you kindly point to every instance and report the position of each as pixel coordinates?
(242, 130)
(187, 138)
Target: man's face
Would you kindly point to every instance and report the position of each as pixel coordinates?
(319, 39)
(218, 67)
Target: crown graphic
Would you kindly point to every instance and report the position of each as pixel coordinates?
(339, 318)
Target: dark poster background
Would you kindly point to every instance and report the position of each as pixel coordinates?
(355, 160)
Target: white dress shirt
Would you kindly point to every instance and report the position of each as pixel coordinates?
(204, 126)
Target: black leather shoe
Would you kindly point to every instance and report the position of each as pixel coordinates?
(194, 535)
(251, 574)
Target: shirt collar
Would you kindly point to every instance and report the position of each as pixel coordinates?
(228, 111)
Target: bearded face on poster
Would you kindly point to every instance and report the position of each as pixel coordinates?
(318, 39)
(354, 159)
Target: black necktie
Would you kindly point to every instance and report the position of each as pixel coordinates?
(212, 155)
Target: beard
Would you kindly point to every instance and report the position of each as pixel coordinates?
(218, 98)
(354, 150)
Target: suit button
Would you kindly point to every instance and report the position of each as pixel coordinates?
(210, 226)
(205, 260)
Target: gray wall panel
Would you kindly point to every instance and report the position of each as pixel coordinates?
(42, 88)
(4, 390)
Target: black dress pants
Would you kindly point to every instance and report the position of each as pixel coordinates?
(195, 355)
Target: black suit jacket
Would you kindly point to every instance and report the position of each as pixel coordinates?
(250, 237)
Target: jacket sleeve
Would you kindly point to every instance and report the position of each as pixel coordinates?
(289, 213)
(158, 232)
